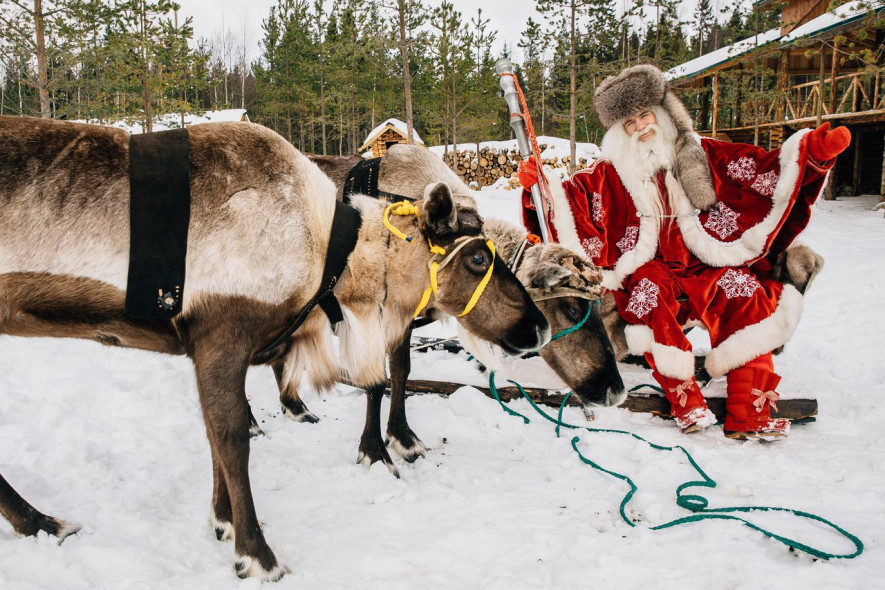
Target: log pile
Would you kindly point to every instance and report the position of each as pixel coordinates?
(495, 163)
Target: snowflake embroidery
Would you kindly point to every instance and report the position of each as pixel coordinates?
(765, 183)
(628, 242)
(743, 169)
(643, 298)
(738, 284)
(598, 211)
(722, 220)
(592, 246)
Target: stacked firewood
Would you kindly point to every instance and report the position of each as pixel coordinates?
(494, 163)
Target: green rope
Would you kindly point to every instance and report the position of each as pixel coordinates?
(577, 326)
(693, 502)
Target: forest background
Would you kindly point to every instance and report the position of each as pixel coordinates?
(330, 71)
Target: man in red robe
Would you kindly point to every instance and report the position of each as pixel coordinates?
(684, 228)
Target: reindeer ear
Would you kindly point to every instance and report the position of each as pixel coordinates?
(440, 216)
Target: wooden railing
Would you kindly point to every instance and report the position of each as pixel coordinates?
(854, 93)
(851, 93)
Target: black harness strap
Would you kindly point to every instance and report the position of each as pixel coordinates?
(342, 240)
(363, 180)
(159, 215)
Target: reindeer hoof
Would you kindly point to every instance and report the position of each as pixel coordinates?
(67, 529)
(48, 524)
(409, 450)
(367, 461)
(249, 567)
(301, 415)
(224, 530)
(255, 431)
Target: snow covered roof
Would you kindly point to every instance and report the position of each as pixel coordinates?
(840, 17)
(710, 60)
(394, 124)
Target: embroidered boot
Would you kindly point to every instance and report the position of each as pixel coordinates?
(751, 394)
(687, 404)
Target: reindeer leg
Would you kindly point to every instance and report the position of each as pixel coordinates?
(400, 437)
(293, 406)
(372, 447)
(222, 514)
(254, 428)
(221, 380)
(27, 520)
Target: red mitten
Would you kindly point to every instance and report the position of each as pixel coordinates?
(528, 173)
(825, 144)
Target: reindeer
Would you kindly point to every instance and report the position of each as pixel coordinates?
(566, 285)
(260, 219)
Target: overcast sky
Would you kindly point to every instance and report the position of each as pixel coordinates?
(508, 18)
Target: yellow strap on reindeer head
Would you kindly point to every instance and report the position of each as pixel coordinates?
(440, 258)
(482, 284)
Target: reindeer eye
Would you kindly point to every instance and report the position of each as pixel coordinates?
(477, 262)
(572, 311)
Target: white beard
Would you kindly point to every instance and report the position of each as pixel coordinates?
(642, 160)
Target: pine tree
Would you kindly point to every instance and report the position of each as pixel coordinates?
(704, 21)
(535, 44)
(568, 15)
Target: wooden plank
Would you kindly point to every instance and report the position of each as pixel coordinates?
(791, 409)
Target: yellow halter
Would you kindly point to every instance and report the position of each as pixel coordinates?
(440, 258)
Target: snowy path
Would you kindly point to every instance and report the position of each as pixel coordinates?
(113, 439)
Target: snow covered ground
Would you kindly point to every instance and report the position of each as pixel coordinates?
(114, 439)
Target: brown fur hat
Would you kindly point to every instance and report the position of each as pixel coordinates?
(642, 86)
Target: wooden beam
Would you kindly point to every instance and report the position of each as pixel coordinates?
(820, 82)
(715, 103)
(835, 61)
(882, 190)
(857, 141)
(791, 409)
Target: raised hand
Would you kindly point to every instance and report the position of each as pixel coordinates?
(825, 144)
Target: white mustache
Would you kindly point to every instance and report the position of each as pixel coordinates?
(634, 137)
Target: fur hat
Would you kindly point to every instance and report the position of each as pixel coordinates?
(642, 86)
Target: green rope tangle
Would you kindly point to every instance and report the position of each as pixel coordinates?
(693, 502)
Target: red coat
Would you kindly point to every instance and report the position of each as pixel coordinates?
(705, 257)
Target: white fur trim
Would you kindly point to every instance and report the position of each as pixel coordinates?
(673, 362)
(563, 219)
(647, 241)
(759, 338)
(752, 243)
(639, 338)
(670, 361)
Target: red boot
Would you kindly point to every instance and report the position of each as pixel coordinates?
(751, 394)
(687, 404)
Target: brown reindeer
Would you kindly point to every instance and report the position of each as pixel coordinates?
(260, 219)
(585, 360)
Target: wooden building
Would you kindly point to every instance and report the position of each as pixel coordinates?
(818, 66)
(385, 135)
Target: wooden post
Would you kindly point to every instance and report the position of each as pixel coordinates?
(715, 103)
(737, 100)
(833, 77)
(882, 188)
(857, 140)
(820, 82)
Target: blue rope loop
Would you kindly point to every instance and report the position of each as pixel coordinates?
(693, 502)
